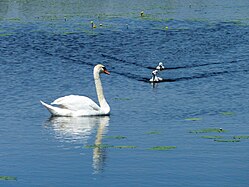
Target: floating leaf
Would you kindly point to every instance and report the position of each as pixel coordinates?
(7, 178)
(212, 137)
(208, 130)
(162, 148)
(193, 119)
(232, 140)
(115, 137)
(241, 137)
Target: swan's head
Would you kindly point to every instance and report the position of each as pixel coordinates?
(101, 69)
(160, 63)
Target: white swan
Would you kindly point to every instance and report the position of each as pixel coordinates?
(154, 77)
(75, 105)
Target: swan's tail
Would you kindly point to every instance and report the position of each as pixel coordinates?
(55, 111)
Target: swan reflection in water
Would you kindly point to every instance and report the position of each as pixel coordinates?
(79, 130)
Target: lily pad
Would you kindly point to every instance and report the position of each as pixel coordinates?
(162, 148)
(212, 137)
(208, 130)
(193, 119)
(8, 178)
(229, 140)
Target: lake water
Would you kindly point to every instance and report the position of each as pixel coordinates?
(201, 110)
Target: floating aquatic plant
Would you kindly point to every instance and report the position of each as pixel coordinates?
(153, 132)
(121, 99)
(241, 137)
(228, 113)
(14, 19)
(115, 137)
(229, 140)
(208, 130)
(124, 147)
(193, 119)
(162, 148)
(102, 146)
(212, 137)
(7, 178)
(4, 34)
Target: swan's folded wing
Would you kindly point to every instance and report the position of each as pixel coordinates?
(76, 102)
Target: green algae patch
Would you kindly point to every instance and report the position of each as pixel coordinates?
(229, 140)
(153, 132)
(8, 178)
(115, 137)
(241, 137)
(193, 119)
(212, 137)
(208, 130)
(162, 148)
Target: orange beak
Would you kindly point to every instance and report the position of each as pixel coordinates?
(106, 72)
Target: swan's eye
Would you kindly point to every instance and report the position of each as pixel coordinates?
(104, 68)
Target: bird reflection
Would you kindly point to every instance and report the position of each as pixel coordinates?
(79, 129)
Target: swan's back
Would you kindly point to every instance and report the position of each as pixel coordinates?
(76, 102)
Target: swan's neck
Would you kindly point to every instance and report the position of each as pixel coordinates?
(99, 89)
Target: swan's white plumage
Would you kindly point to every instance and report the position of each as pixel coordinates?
(75, 105)
(76, 102)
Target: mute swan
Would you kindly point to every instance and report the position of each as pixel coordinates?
(155, 78)
(75, 105)
(160, 66)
